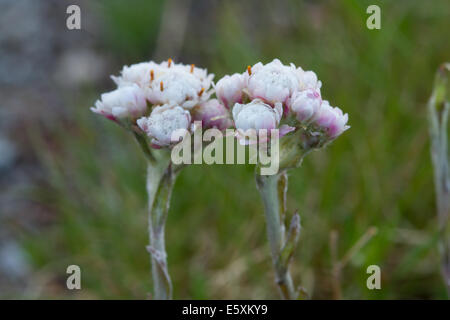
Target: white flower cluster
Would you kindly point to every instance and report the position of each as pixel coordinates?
(263, 95)
(161, 98)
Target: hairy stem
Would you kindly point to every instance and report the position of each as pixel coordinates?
(160, 180)
(268, 187)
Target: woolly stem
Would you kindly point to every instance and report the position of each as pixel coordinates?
(160, 180)
(268, 187)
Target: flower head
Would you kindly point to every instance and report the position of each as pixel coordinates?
(331, 120)
(162, 122)
(201, 74)
(168, 82)
(183, 85)
(139, 74)
(305, 104)
(275, 90)
(212, 114)
(256, 115)
(273, 82)
(128, 101)
(308, 80)
(177, 87)
(229, 89)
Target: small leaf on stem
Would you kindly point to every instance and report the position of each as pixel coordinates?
(291, 242)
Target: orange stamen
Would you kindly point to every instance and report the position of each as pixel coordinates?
(192, 68)
(169, 63)
(249, 70)
(152, 75)
(201, 92)
(161, 86)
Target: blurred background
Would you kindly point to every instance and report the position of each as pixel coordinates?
(72, 184)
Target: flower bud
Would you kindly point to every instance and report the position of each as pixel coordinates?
(331, 120)
(212, 114)
(305, 104)
(162, 122)
(128, 101)
(229, 89)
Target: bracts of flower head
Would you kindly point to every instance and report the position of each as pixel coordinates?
(287, 98)
(153, 101)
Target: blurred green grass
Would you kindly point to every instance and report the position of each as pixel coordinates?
(377, 174)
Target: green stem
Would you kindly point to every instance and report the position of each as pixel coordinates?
(273, 188)
(269, 190)
(160, 180)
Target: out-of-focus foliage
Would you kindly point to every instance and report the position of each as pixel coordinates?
(376, 174)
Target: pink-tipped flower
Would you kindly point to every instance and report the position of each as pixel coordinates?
(128, 101)
(229, 89)
(331, 120)
(212, 114)
(162, 122)
(305, 104)
(273, 82)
